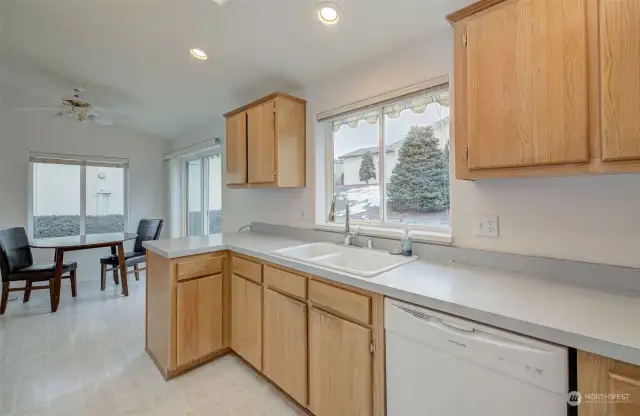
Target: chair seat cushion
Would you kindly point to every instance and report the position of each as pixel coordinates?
(130, 258)
(41, 271)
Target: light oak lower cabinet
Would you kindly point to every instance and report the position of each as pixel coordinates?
(199, 318)
(340, 366)
(320, 342)
(285, 344)
(246, 320)
(187, 310)
(602, 375)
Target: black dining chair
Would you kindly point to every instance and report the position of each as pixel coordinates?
(16, 264)
(147, 230)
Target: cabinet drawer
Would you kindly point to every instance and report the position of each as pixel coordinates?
(349, 303)
(247, 269)
(199, 266)
(285, 282)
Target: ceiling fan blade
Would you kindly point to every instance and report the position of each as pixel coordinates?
(103, 122)
(99, 121)
(35, 108)
(221, 2)
(111, 110)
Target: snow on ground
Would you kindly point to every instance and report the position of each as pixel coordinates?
(364, 203)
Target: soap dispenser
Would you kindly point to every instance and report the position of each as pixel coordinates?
(407, 242)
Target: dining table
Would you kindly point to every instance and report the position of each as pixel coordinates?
(62, 245)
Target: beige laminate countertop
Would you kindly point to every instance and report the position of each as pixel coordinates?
(596, 321)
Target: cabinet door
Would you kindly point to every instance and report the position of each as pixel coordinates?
(262, 143)
(199, 318)
(601, 375)
(527, 97)
(285, 344)
(340, 361)
(236, 149)
(620, 83)
(246, 320)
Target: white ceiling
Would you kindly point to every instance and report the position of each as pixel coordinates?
(133, 54)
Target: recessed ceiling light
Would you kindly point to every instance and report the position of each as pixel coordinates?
(328, 13)
(198, 54)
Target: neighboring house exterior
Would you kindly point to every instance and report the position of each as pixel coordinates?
(338, 171)
(349, 163)
(57, 190)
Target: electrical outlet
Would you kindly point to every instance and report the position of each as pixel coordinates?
(487, 226)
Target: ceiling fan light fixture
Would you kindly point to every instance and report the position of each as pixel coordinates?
(198, 54)
(328, 13)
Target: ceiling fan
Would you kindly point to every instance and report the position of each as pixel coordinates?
(221, 2)
(81, 110)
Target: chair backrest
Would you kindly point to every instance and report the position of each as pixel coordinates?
(15, 253)
(147, 230)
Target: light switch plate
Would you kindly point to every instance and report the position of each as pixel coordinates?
(486, 225)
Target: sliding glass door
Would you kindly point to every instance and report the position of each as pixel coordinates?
(214, 193)
(204, 195)
(194, 197)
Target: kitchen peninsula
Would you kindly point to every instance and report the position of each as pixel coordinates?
(318, 334)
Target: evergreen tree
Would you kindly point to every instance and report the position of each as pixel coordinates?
(367, 168)
(420, 179)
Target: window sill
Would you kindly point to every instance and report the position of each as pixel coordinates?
(442, 238)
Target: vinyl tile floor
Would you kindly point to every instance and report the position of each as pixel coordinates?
(88, 359)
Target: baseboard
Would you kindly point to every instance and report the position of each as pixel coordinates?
(192, 365)
(268, 380)
(158, 366)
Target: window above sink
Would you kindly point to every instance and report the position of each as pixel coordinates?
(374, 149)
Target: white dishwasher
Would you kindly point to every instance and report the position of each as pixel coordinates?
(438, 365)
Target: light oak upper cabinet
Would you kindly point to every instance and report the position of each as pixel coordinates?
(246, 320)
(285, 344)
(601, 375)
(526, 85)
(266, 143)
(340, 366)
(199, 318)
(261, 135)
(620, 82)
(236, 149)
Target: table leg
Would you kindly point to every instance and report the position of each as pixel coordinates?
(59, 255)
(123, 269)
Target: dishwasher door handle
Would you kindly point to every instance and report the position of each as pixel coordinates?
(469, 333)
(456, 326)
(436, 322)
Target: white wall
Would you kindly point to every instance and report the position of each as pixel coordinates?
(22, 132)
(587, 218)
(420, 62)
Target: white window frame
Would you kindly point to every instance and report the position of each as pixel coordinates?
(380, 227)
(83, 162)
(204, 188)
